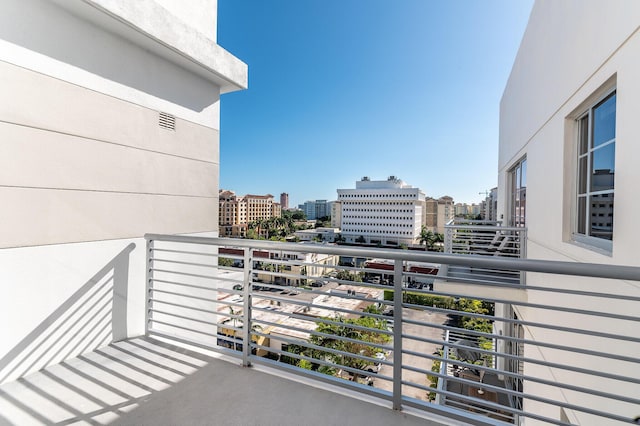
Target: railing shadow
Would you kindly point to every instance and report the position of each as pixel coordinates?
(92, 317)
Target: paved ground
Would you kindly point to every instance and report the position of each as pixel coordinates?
(416, 346)
(146, 382)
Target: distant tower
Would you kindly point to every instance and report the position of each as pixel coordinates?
(284, 200)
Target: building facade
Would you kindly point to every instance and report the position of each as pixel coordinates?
(236, 213)
(381, 212)
(438, 213)
(568, 144)
(284, 201)
(111, 132)
(316, 209)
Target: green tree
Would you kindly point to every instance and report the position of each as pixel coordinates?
(359, 343)
(225, 261)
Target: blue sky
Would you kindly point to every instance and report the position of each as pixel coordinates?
(340, 89)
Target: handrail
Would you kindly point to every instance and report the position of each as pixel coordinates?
(620, 272)
(365, 334)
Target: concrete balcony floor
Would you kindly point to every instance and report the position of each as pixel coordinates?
(145, 381)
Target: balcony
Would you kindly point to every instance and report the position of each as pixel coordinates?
(339, 342)
(489, 239)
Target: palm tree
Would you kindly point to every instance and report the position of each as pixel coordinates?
(428, 238)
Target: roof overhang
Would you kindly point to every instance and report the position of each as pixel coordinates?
(150, 26)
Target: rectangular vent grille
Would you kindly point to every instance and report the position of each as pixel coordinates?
(167, 121)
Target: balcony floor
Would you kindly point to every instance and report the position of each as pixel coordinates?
(145, 381)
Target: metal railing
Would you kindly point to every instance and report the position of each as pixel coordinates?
(485, 238)
(566, 353)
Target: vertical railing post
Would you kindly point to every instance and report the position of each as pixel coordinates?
(523, 253)
(448, 239)
(440, 398)
(148, 303)
(246, 309)
(397, 335)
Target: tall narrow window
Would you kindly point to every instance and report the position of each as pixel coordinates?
(518, 194)
(596, 170)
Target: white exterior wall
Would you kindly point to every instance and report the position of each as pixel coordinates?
(388, 211)
(571, 51)
(85, 169)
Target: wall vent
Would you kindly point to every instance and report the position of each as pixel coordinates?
(167, 121)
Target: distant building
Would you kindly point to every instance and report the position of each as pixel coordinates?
(336, 214)
(490, 206)
(381, 212)
(464, 209)
(325, 234)
(284, 201)
(316, 209)
(236, 213)
(438, 213)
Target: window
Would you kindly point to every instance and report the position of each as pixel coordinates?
(595, 171)
(518, 194)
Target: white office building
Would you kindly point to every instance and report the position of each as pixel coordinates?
(385, 212)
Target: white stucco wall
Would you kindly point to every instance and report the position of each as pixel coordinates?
(85, 168)
(573, 51)
(563, 60)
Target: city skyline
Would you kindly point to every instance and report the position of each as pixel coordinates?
(342, 90)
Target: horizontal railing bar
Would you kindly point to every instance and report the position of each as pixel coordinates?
(187, 341)
(199, 287)
(412, 402)
(182, 262)
(322, 362)
(532, 324)
(368, 390)
(179, 305)
(197, 253)
(538, 305)
(323, 321)
(529, 265)
(507, 391)
(173, 293)
(311, 305)
(182, 328)
(327, 335)
(298, 342)
(187, 274)
(158, 311)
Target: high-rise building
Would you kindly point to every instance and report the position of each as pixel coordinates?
(381, 212)
(284, 201)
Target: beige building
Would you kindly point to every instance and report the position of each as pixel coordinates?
(236, 213)
(438, 213)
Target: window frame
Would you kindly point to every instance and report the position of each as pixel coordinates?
(516, 190)
(586, 239)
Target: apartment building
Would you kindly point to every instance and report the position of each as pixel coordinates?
(236, 213)
(316, 209)
(464, 209)
(438, 212)
(110, 130)
(381, 212)
(568, 171)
